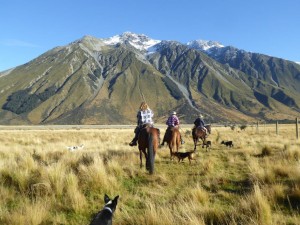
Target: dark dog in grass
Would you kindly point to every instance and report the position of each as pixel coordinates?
(104, 217)
(182, 155)
(227, 143)
(207, 144)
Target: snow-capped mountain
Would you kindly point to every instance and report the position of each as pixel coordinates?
(204, 45)
(139, 41)
(88, 81)
(144, 43)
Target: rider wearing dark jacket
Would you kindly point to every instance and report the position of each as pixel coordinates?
(199, 122)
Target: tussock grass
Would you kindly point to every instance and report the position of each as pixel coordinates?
(266, 151)
(256, 182)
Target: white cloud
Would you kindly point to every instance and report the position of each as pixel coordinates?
(18, 43)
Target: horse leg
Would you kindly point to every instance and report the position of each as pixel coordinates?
(171, 152)
(195, 144)
(141, 159)
(178, 142)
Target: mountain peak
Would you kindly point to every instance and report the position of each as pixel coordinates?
(139, 41)
(204, 45)
(86, 38)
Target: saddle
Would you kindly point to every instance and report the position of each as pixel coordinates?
(147, 127)
(196, 131)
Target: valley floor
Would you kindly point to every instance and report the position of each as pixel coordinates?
(255, 182)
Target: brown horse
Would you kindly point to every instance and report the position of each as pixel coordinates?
(148, 144)
(199, 133)
(173, 139)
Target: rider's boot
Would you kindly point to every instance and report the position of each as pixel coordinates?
(181, 140)
(163, 142)
(134, 141)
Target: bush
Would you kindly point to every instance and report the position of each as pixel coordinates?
(243, 127)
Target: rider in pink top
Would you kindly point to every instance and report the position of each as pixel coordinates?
(172, 122)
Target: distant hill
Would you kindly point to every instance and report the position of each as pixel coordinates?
(103, 81)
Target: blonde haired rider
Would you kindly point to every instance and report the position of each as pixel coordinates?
(144, 116)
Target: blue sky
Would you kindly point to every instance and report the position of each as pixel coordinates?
(29, 28)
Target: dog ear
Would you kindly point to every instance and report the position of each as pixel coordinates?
(106, 198)
(116, 199)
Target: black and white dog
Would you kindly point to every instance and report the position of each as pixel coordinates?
(227, 143)
(104, 217)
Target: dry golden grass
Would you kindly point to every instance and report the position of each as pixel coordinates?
(256, 182)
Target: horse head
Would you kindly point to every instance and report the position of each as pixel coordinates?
(208, 127)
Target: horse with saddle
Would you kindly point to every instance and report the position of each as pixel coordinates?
(200, 131)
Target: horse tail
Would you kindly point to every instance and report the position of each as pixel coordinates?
(150, 154)
(175, 139)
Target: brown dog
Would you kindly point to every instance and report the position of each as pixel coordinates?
(182, 155)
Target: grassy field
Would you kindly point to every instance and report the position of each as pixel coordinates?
(256, 182)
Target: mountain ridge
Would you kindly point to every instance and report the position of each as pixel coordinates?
(89, 80)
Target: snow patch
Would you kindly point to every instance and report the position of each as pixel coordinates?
(138, 41)
(204, 45)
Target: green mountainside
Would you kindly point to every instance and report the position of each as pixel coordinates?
(92, 82)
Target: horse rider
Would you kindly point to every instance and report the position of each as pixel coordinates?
(199, 123)
(144, 117)
(172, 122)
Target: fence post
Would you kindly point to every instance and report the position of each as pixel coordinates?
(257, 126)
(297, 130)
(276, 127)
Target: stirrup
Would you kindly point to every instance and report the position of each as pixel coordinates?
(182, 142)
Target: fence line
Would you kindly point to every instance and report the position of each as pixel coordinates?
(297, 130)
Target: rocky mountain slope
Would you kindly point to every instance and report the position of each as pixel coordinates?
(103, 81)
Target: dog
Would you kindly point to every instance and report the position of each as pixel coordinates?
(227, 143)
(104, 217)
(207, 144)
(74, 148)
(182, 155)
